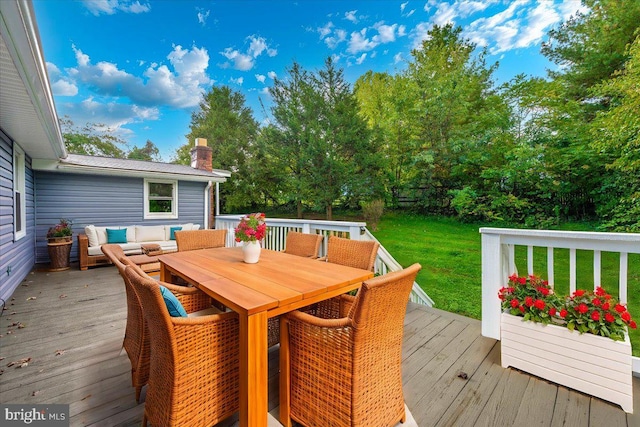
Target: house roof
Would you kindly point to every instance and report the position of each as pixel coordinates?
(76, 163)
(27, 111)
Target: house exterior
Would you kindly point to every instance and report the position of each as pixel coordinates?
(40, 182)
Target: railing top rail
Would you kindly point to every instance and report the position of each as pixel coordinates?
(300, 221)
(587, 235)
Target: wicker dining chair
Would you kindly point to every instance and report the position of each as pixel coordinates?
(194, 372)
(190, 240)
(352, 253)
(303, 244)
(345, 366)
(136, 336)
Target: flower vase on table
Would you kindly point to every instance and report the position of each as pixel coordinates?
(251, 230)
(251, 252)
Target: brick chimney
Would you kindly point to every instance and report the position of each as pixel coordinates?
(202, 155)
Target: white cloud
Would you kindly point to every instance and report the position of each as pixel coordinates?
(445, 13)
(361, 58)
(203, 16)
(237, 81)
(112, 115)
(359, 42)
(326, 30)
(420, 33)
(335, 58)
(540, 18)
(338, 37)
(398, 58)
(386, 33)
(246, 61)
(240, 61)
(570, 8)
(261, 78)
(264, 91)
(180, 88)
(110, 7)
(403, 6)
(64, 88)
(351, 16)
(272, 75)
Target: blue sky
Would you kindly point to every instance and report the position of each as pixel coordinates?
(140, 67)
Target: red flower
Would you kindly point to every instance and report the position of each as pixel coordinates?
(606, 306)
(544, 291)
(609, 317)
(620, 308)
(578, 293)
(626, 316)
(528, 301)
(514, 303)
(600, 292)
(521, 309)
(513, 278)
(607, 297)
(552, 311)
(595, 315)
(596, 302)
(563, 313)
(633, 325)
(522, 280)
(582, 308)
(539, 304)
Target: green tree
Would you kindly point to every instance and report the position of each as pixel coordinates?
(92, 139)
(149, 153)
(230, 129)
(457, 113)
(386, 102)
(617, 138)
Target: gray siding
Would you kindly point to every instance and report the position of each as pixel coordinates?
(102, 200)
(16, 257)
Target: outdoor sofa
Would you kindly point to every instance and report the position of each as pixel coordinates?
(134, 240)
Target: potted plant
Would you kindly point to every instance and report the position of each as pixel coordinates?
(251, 230)
(579, 341)
(60, 232)
(59, 241)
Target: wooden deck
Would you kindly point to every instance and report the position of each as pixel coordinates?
(70, 325)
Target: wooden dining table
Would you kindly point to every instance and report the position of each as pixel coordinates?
(277, 284)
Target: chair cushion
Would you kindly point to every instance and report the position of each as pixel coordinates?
(116, 236)
(92, 236)
(173, 305)
(206, 312)
(172, 233)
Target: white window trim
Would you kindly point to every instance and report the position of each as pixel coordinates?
(19, 185)
(160, 215)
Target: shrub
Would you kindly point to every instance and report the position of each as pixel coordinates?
(372, 212)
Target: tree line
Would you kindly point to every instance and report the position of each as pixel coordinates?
(442, 137)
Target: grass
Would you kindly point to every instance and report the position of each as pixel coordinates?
(450, 254)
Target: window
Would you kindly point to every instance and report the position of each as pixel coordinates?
(160, 199)
(19, 194)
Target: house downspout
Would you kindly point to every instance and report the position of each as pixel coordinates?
(206, 204)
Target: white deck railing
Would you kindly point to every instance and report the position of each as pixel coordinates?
(279, 227)
(498, 263)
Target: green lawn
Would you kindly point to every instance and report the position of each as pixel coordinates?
(449, 252)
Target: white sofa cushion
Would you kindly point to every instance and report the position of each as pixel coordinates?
(128, 248)
(92, 236)
(149, 233)
(185, 227)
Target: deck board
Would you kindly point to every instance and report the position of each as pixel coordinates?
(93, 373)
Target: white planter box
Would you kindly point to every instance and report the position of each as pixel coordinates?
(588, 363)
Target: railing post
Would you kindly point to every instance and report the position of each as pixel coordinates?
(354, 233)
(492, 272)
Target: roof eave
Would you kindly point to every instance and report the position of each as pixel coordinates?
(46, 165)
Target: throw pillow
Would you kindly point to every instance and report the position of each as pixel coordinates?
(173, 230)
(92, 236)
(173, 304)
(116, 236)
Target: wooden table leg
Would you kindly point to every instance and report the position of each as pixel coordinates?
(285, 368)
(253, 370)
